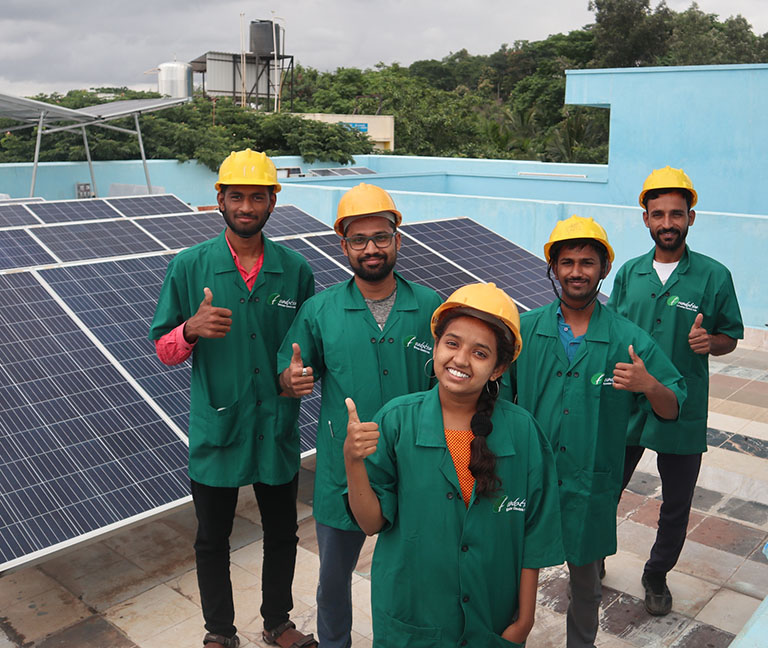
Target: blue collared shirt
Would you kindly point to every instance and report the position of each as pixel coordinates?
(570, 343)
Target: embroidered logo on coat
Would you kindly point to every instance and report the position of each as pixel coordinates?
(674, 300)
(505, 505)
(601, 379)
(409, 342)
(274, 300)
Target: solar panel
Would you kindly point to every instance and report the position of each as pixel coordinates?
(81, 449)
(288, 220)
(185, 230)
(362, 170)
(96, 240)
(19, 250)
(116, 301)
(61, 211)
(12, 215)
(345, 171)
(149, 205)
(488, 256)
(323, 172)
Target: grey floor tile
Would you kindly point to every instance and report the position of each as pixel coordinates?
(705, 499)
(94, 632)
(644, 484)
(753, 512)
(699, 635)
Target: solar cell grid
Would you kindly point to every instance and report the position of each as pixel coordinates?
(185, 230)
(19, 250)
(72, 210)
(489, 256)
(288, 220)
(362, 170)
(116, 301)
(149, 205)
(327, 272)
(96, 240)
(81, 449)
(14, 215)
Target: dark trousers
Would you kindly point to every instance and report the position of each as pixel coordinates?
(215, 510)
(678, 480)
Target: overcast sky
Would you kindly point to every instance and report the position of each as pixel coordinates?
(50, 45)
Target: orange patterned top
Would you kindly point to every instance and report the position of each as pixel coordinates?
(458, 444)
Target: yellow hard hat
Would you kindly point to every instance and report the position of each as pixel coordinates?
(668, 178)
(578, 227)
(364, 200)
(488, 303)
(248, 168)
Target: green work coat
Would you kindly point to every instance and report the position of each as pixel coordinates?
(585, 417)
(699, 284)
(341, 341)
(444, 574)
(240, 431)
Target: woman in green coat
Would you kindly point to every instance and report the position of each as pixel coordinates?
(461, 487)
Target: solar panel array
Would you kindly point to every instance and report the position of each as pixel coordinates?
(92, 425)
(341, 171)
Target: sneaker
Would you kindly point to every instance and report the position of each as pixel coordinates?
(658, 598)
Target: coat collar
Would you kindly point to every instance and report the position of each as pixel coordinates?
(405, 300)
(431, 432)
(646, 264)
(597, 331)
(223, 261)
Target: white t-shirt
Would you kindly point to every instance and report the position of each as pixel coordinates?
(664, 270)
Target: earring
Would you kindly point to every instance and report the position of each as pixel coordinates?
(429, 373)
(495, 383)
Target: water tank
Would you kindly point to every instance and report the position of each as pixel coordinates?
(174, 79)
(261, 38)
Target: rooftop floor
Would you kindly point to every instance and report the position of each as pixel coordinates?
(139, 588)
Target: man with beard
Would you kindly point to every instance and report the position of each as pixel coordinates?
(368, 339)
(687, 303)
(218, 305)
(582, 369)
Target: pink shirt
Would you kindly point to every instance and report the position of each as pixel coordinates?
(172, 348)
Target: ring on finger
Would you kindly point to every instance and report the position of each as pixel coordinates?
(303, 372)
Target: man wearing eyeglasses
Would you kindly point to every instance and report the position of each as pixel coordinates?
(367, 338)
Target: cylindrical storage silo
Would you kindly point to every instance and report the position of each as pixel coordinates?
(174, 79)
(262, 43)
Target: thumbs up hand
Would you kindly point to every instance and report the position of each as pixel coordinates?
(297, 380)
(632, 376)
(698, 338)
(209, 321)
(362, 438)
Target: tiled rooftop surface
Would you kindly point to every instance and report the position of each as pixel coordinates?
(139, 588)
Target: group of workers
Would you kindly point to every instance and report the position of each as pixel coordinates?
(480, 445)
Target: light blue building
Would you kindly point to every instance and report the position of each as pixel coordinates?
(711, 121)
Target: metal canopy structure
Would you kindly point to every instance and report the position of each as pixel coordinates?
(50, 118)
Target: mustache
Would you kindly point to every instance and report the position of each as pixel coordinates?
(373, 256)
(671, 230)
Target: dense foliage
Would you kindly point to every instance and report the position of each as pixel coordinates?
(508, 104)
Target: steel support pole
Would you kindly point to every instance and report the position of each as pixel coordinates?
(90, 163)
(143, 156)
(37, 153)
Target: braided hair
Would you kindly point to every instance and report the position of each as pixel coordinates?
(482, 462)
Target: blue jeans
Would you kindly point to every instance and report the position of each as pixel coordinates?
(339, 551)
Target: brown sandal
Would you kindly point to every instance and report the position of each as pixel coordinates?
(227, 642)
(287, 636)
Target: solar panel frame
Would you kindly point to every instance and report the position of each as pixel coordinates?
(15, 214)
(95, 240)
(82, 449)
(150, 205)
(63, 211)
(18, 249)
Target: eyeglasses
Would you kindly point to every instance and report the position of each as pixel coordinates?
(381, 241)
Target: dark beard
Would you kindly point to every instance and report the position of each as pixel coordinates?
(676, 243)
(374, 275)
(254, 230)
